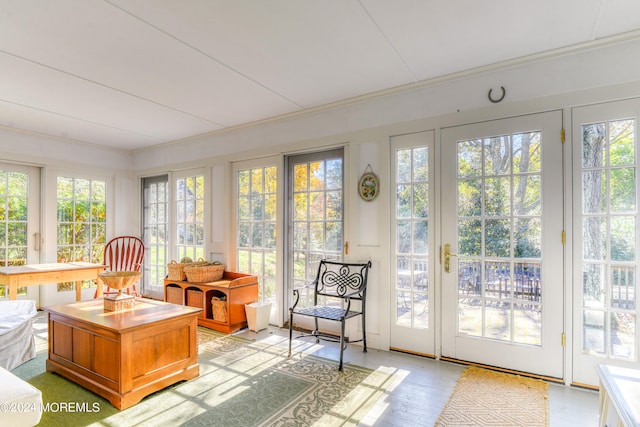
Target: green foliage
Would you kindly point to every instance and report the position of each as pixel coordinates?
(499, 183)
(82, 216)
(608, 157)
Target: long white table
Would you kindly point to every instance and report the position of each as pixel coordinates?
(17, 276)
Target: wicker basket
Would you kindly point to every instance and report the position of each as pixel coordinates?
(174, 294)
(203, 273)
(219, 309)
(175, 270)
(194, 298)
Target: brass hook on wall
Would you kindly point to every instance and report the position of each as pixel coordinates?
(504, 92)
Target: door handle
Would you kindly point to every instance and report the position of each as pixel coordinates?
(447, 257)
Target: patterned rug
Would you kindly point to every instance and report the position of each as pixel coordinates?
(241, 383)
(487, 398)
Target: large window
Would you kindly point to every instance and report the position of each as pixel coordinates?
(189, 203)
(81, 225)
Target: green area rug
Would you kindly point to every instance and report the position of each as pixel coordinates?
(241, 383)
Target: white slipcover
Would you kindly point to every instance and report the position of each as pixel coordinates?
(17, 344)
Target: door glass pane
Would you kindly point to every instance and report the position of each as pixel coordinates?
(256, 239)
(14, 191)
(156, 229)
(500, 238)
(412, 237)
(315, 215)
(609, 218)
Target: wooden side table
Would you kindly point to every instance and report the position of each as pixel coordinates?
(17, 276)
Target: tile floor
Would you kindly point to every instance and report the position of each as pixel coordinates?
(425, 386)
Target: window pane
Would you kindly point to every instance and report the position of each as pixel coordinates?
(497, 154)
(593, 145)
(623, 190)
(470, 158)
(622, 147)
(526, 152)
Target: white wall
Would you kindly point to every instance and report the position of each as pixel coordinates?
(41, 150)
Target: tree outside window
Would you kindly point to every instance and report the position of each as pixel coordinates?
(190, 217)
(81, 223)
(13, 221)
(256, 235)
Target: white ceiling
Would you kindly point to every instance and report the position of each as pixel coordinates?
(135, 73)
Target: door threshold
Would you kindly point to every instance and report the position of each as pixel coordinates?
(507, 371)
(415, 353)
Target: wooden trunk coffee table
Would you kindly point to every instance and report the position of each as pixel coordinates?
(125, 355)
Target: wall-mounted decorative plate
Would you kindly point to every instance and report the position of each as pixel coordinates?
(369, 185)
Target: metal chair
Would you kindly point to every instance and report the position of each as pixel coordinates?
(123, 253)
(334, 288)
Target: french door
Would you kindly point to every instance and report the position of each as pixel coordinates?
(20, 222)
(257, 218)
(605, 179)
(502, 237)
(413, 247)
(155, 202)
(314, 218)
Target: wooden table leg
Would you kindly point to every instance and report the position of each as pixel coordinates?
(13, 291)
(78, 291)
(99, 288)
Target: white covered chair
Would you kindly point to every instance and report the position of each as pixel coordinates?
(17, 344)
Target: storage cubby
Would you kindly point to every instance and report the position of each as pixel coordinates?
(235, 289)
